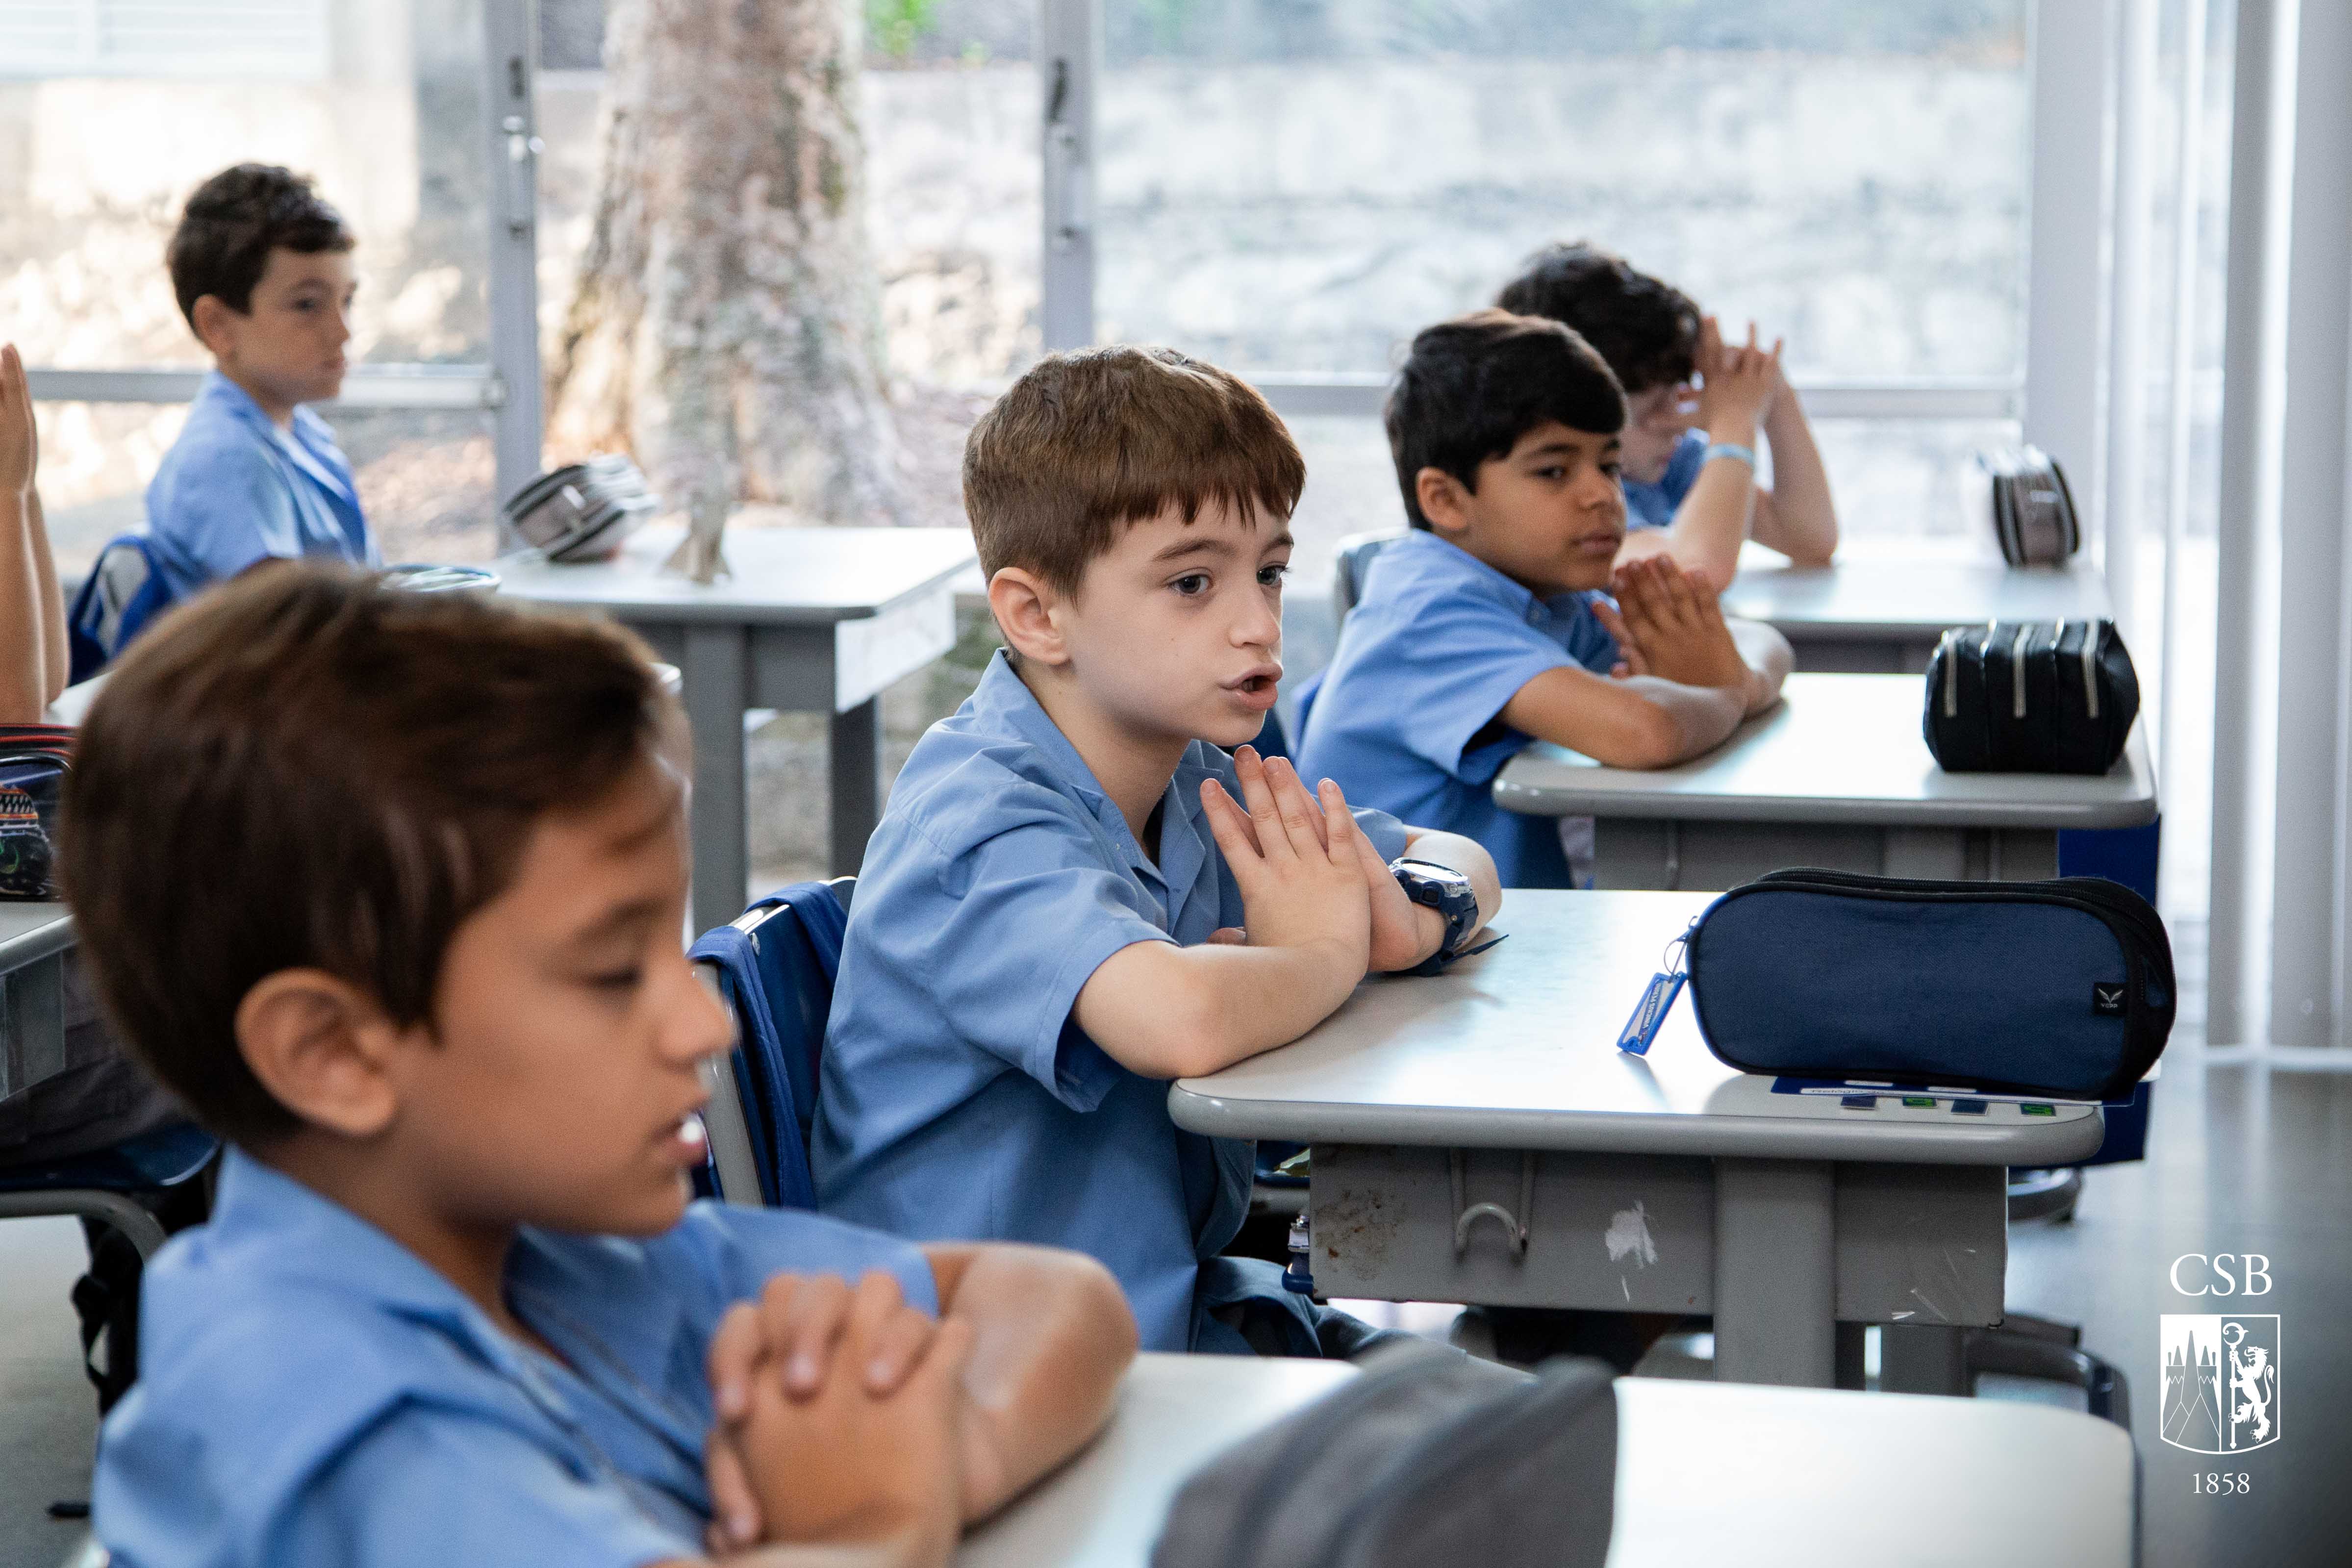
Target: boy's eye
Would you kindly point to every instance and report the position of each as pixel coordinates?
(1192, 585)
(616, 979)
(1612, 469)
(1272, 576)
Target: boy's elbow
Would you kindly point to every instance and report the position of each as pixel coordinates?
(1650, 738)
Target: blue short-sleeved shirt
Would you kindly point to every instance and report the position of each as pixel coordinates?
(1653, 505)
(1409, 716)
(234, 490)
(311, 1393)
(959, 1098)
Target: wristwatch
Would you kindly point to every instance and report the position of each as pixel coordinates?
(1446, 890)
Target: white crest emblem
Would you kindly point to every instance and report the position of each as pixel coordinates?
(2220, 1384)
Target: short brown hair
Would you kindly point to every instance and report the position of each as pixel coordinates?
(1090, 441)
(231, 225)
(309, 769)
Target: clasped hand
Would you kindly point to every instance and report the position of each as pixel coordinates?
(1667, 623)
(1308, 875)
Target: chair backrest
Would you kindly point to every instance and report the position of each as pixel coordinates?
(1355, 559)
(122, 592)
(774, 966)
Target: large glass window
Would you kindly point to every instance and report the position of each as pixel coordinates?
(112, 112)
(1297, 184)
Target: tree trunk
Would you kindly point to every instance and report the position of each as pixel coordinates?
(724, 328)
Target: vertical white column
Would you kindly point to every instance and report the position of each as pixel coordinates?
(2245, 674)
(2308, 830)
(2180, 404)
(2126, 457)
(1069, 60)
(2065, 298)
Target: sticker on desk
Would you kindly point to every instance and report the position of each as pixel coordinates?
(1922, 1097)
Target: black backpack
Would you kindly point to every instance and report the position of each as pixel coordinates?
(2030, 696)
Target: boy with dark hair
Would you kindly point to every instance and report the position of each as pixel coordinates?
(1689, 463)
(388, 889)
(1484, 628)
(1075, 895)
(262, 269)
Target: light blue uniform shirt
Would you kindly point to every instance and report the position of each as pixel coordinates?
(311, 1393)
(1409, 719)
(234, 490)
(958, 1100)
(1653, 505)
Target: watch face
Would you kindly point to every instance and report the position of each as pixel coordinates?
(1430, 872)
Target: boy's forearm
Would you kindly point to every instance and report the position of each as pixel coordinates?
(1170, 1012)
(1052, 1336)
(1799, 519)
(24, 692)
(57, 658)
(1712, 523)
(1703, 716)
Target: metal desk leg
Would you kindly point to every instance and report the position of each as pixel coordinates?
(1775, 1272)
(856, 765)
(716, 693)
(1923, 1357)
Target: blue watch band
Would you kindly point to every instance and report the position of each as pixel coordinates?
(1730, 449)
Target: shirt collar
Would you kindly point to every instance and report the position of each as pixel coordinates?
(1465, 569)
(305, 1235)
(1004, 703)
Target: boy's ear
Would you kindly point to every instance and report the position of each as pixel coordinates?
(323, 1048)
(210, 316)
(1023, 605)
(1444, 499)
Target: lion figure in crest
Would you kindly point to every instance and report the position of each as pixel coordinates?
(2253, 1381)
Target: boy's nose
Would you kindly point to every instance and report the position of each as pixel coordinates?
(699, 1024)
(1258, 627)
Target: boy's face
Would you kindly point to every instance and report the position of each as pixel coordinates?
(1548, 514)
(286, 347)
(1175, 632)
(556, 1086)
(1655, 421)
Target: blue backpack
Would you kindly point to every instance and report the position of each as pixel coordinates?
(123, 592)
(776, 963)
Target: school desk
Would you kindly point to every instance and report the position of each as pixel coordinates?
(1837, 774)
(1883, 607)
(34, 941)
(813, 620)
(1478, 1137)
(1736, 1476)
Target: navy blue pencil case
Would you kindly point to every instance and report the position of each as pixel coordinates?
(2061, 988)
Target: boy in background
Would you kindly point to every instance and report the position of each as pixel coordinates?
(1484, 628)
(453, 1304)
(1689, 459)
(262, 269)
(1076, 895)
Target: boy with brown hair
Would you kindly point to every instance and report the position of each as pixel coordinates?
(1076, 895)
(261, 267)
(388, 888)
(1689, 458)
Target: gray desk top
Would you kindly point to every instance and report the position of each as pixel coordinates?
(29, 932)
(1517, 1048)
(783, 577)
(1870, 595)
(1810, 1479)
(1837, 749)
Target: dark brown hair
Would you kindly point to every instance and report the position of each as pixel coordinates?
(1088, 442)
(1646, 328)
(1472, 386)
(232, 224)
(308, 769)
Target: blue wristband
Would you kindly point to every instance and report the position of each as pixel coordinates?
(1730, 449)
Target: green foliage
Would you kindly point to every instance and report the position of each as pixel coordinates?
(895, 25)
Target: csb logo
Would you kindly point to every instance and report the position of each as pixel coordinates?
(2221, 1382)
